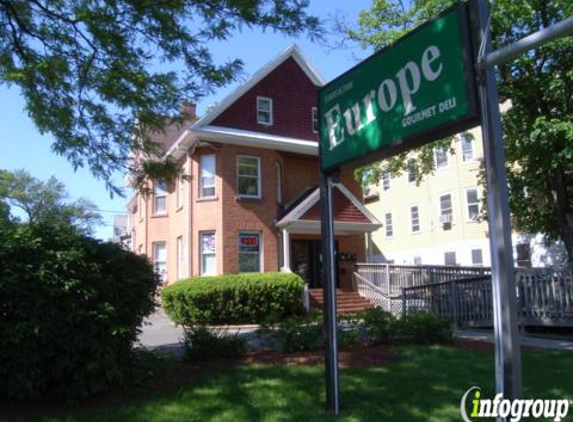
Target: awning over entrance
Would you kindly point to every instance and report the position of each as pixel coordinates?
(350, 216)
(303, 217)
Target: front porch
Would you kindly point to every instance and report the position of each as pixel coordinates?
(347, 301)
(300, 229)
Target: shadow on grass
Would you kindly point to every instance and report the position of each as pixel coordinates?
(424, 383)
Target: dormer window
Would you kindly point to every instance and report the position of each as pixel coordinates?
(264, 111)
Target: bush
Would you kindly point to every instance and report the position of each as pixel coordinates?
(200, 343)
(379, 324)
(301, 334)
(70, 308)
(233, 299)
(426, 328)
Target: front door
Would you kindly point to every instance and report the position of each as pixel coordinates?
(306, 261)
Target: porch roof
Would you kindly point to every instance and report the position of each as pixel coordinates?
(350, 215)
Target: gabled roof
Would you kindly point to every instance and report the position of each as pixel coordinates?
(292, 51)
(350, 215)
(203, 130)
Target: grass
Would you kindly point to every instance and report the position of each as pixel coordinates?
(423, 383)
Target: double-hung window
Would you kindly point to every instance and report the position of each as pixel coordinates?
(412, 171)
(248, 176)
(446, 210)
(389, 229)
(473, 204)
(160, 260)
(160, 197)
(477, 257)
(385, 180)
(208, 253)
(467, 147)
(207, 168)
(415, 219)
(249, 252)
(264, 111)
(441, 157)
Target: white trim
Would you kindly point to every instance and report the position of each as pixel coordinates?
(259, 177)
(201, 265)
(467, 204)
(200, 187)
(270, 111)
(261, 250)
(247, 138)
(292, 51)
(440, 205)
(340, 227)
(313, 199)
(448, 158)
(357, 203)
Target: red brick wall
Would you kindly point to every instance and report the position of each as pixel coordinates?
(293, 95)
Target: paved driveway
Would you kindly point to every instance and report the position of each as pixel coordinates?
(160, 332)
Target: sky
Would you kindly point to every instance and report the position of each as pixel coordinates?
(23, 147)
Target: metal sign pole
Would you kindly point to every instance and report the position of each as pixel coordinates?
(329, 289)
(507, 345)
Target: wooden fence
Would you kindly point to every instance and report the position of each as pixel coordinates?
(544, 298)
(464, 294)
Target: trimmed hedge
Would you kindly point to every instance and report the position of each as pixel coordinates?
(70, 311)
(233, 299)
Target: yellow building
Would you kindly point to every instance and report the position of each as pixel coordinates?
(436, 222)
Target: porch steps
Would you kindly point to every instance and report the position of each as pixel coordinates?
(347, 302)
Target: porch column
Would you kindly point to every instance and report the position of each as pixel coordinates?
(286, 251)
(369, 247)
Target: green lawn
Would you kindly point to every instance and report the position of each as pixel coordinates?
(423, 383)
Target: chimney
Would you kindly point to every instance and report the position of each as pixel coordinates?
(188, 111)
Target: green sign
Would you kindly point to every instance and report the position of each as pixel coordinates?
(416, 91)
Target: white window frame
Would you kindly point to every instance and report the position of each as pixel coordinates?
(180, 257)
(279, 186)
(446, 155)
(201, 185)
(261, 249)
(467, 159)
(156, 261)
(314, 119)
(478, 203)
(259, 177)
(202, 254)
(156, 196)
(385, 180)
(440, 213)
(386, 225)
(412, 219)
(269, 111)
(409, 172)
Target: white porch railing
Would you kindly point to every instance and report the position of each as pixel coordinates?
(376, 296)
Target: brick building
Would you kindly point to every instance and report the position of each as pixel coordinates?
(251, 203)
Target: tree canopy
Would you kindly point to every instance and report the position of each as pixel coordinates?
(538, 127)
(44, 202)
(89, 70)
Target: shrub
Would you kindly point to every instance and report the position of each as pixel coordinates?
(426, 328)
(298, 334)
(70, 308)
(233, 299)
(200, 343)
(379, 324)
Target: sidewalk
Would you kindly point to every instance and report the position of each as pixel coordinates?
(529, 341)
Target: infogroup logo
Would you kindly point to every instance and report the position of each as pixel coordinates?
(516, 410)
